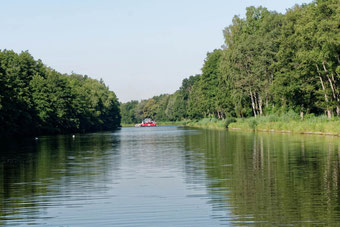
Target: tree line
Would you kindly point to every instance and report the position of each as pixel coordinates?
(270, 63)
(35, 99)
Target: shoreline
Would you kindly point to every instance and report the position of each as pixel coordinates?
(288, 132)
(312, 126)
(166, 123)
(306, 127)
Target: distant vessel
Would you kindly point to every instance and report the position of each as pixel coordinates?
(147, 122)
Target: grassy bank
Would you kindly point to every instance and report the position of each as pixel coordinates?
(127, 125)
(311, 125)
(162, 123)
(209, 123)
(171, 123)
(290, 123)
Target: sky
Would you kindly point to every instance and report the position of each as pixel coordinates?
(140, 48)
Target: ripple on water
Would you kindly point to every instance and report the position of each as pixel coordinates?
(172, 176)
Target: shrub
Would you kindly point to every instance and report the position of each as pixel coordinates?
(252, 123)
(229, 120)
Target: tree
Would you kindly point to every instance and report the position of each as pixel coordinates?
(35, 99)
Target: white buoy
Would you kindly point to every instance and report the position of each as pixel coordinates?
(36, 138)
(73, 136)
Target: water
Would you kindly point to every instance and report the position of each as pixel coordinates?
(170, 176)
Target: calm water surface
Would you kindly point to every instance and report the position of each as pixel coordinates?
(170, 176)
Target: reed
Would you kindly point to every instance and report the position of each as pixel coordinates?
(312, 124)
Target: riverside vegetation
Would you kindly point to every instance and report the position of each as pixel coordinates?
(274, 71)
(35, 99)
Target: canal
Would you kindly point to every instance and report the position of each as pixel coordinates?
(170, 176)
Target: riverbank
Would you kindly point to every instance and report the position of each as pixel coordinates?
(314, 125)
(283, 124)
(212, 123)
(164, 123)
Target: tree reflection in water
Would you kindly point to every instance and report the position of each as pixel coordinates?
(268, 178)
(35, 173)
(232, 177)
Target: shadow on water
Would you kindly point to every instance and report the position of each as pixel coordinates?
(170, 176)
(268, 178)
(35, 172)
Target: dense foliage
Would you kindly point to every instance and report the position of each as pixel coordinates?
(269, 63)
(35, 99)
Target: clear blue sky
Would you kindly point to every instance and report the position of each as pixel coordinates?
(140, 48)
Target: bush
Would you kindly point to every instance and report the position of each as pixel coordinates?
(229, 120)
(273, 118)
(252, 123)
(290, 115)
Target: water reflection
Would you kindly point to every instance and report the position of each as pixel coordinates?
(170, 176)
(270, 178)
(53, 170)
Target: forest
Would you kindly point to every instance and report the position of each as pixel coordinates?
(270, 63)
(35, 99)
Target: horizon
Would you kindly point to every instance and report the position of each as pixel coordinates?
(140, 50)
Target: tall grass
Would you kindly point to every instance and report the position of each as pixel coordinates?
(211, 123)
(290, 122)
(172, 123)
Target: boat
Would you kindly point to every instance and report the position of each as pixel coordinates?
(147, 122)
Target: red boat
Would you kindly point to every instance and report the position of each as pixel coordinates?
(147, 123)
